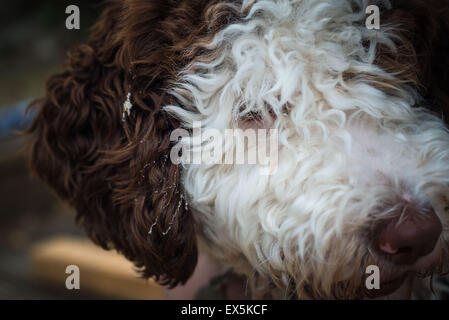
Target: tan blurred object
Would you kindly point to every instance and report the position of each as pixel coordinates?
(205, 271)
(103, 272)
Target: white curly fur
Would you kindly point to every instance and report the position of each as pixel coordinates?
(347, 147)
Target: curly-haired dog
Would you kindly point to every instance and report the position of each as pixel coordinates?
(363, 171)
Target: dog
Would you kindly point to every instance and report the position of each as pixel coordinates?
(362, 177)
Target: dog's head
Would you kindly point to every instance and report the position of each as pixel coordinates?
(361, 174)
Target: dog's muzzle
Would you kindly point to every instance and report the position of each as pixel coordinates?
(407, 235)
(406, 241)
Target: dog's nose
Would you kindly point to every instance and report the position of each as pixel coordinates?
(409, 235)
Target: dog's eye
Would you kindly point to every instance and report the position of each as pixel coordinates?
(252, 116)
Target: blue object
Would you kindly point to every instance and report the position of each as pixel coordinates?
(13, 118)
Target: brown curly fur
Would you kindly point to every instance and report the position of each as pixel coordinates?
(422, 58)
(116, 174)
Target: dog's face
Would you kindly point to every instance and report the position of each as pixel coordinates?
(361, 174)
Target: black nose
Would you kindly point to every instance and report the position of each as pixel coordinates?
(408, 235)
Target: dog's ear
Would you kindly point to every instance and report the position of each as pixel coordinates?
(114, 167)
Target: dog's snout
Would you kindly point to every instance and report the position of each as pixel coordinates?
(408, 235)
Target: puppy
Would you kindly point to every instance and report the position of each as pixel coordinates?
(362, 172)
